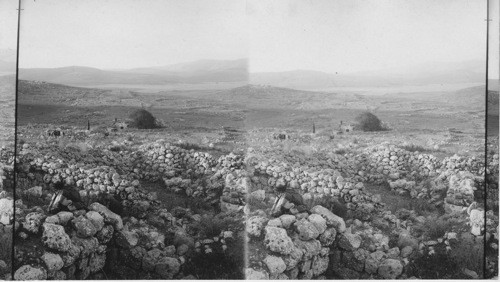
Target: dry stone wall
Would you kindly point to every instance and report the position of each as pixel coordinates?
(88, 239)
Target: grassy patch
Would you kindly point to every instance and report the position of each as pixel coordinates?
(394, 201)
(418, 148)
(6, 247)
(469, 253)
(256, 204)
(434, 227)
(210, 225)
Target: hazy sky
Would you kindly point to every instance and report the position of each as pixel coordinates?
(130, 33)
(494, 60)
(357, 35)
(278, 35)
(8, 29)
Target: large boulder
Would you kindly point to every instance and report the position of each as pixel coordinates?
(54, 237)
(71, 255)
(97, 262)
(318, 221)
(167, 267)
(109, 216)
(293, 259)
(331, 218)
(348, 241)
(310, 248)
(105, 234)
(84, 227)
(33, 221)
(96, 219)
(319, 265)
(52, 261)
(64, 217)
(87, 245)
(306, 230)
(277, 240)
(254, 225)
(252, 274)
(28, 272)
(355, 259)
(328, 237)
(275, 265)
(405, 239)
(6, 211)
(127, 239)
(390, 269)
(287, 220)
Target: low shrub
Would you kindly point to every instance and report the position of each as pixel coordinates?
(369, 122)
(468, 252)
(437, 266)
(418, 148)
(340, 151)
(190, 146)
(435, 227)
(6, 247)
(422, 206)
(225, 265)
(413, 148)
(143, 119)
(211, 226)
(256, 204)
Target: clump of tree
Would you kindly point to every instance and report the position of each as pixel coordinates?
(369, 122)
(143, 119)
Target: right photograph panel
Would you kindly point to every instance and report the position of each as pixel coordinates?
(366, 125)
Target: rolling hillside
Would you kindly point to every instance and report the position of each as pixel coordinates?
(424, 74)
(193, 72)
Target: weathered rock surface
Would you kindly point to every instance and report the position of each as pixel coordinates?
(331, 218)
(109, 216)
(54, 237)
(254, 225)
(390, 269)
(274, 264)
(27, 272)
(277, 240)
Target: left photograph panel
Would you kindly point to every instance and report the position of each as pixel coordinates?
(8, 55)
(130, 154)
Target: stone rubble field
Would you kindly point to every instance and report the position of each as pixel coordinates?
(371, 241)
(352, 230)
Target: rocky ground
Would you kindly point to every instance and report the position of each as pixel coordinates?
(199, 236)
(381, 210)
(432, 234)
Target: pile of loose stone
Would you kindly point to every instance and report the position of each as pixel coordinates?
(451, 182)
(76, 245)
(297, 246)
(305, 246)
(6, 207)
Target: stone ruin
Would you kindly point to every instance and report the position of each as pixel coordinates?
(81, 244)
(321, 244)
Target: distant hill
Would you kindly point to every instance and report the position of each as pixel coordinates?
(194, 72)
(31, 92)
(424, 74)
(82, 76)
(257, 96)
(297, 79)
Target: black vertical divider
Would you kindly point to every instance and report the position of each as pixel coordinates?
(485, 195)
(15, 140)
